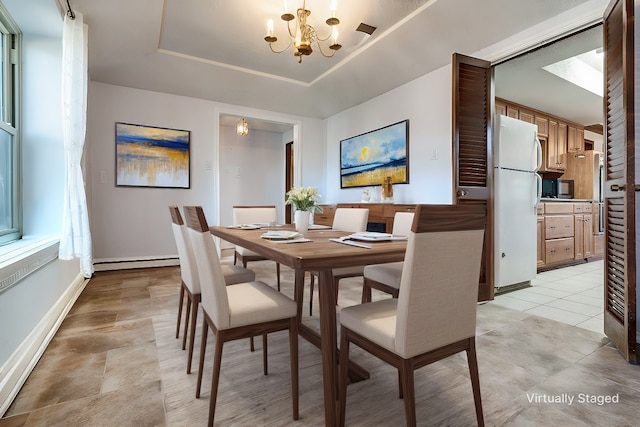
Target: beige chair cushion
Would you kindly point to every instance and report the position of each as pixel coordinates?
(235, 274)
(389, 274)
(375, 321)
(257, 302)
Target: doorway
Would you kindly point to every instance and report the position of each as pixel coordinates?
(540, 80)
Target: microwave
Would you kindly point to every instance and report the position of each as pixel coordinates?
(557, 188)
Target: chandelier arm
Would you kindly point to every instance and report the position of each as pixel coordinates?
(279, 51)
(333, 52)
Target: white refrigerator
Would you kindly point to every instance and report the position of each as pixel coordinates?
(517, 156)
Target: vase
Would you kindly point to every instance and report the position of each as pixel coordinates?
(301, 219)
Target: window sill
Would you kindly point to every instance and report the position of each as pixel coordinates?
(23, 257)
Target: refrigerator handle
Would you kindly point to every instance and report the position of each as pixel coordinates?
(538, 190)
(539, 148)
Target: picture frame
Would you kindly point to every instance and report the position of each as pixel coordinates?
(150, 156)
(369, 158)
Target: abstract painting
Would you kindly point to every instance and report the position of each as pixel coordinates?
(149, 156)
(368, 158)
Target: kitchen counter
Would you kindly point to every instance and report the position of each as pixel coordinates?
(549, 199)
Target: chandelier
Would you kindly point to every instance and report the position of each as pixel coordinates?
(242, 128)
(302, 35)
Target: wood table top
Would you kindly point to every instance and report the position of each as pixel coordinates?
(318, 254)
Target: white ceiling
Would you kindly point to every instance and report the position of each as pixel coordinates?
(214, 49)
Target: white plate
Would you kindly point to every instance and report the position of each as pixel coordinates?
(281, 235)
(376, 237)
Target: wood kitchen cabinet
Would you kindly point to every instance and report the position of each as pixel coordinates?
(526, 116)
(575, 138)
(584, 243)
(556, 147)
(543, 126)
(540, 252)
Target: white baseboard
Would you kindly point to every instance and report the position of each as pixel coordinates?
(17, 368)
(111, 264)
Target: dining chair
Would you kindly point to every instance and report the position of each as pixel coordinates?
(344, 219)
(239, 311)
(253, 215)
(386, 277)
(434, 315)
(190, 282)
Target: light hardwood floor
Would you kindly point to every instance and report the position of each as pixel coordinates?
(116, 362)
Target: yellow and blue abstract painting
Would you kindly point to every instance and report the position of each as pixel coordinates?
(149, 156)
(369, 158)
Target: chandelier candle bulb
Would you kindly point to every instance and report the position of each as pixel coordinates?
(270, 27)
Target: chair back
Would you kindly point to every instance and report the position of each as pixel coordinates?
(254, 214)
(188, 269)
(440, 278)
(350, 219)
(402, 223)
(212, 284)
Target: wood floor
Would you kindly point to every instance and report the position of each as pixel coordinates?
(116, 362)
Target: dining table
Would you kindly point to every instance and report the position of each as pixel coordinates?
(317, 252)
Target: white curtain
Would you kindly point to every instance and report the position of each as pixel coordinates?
(76, 235)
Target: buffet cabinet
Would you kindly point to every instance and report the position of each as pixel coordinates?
(380, 214)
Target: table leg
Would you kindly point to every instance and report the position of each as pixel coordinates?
(328, 337)
(298, 291)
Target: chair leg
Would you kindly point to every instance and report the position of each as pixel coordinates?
(293, 354)
(278, 273)
(408, 391)
(344, 372)
(366, 292)
(251, 345)
(192, 334)
(265, 368)
(215, 379)
(400, 392)
(203, 347)
(180, 309)
(186, 319)
(475, 380)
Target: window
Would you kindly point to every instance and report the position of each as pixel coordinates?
(9, 142)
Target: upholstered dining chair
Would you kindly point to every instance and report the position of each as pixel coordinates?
(239, 311)
(344, 219)
(190, 283)
(434, 315)
(386, 277)
(253, 215)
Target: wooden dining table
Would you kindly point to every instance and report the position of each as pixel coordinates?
(319, 255)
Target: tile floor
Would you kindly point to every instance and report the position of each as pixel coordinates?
(572, 295)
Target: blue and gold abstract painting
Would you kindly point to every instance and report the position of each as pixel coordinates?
(149, 156)
(369, 158)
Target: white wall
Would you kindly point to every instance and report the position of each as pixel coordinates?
(426, 102)
(251, 171)
(129, 223)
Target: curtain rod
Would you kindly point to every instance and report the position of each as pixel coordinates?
(70, 13)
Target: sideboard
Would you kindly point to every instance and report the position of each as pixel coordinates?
(380, 214)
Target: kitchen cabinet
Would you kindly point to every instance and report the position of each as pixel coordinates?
(526, 116)
(501, 108)
(583, 237)
(540, 251)
(559, 232)
(555, 148)
(543, 126)
(575, 138)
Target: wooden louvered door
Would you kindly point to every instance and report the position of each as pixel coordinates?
(619, 191)
(472, 161)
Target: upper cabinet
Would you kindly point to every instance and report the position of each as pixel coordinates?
(557, 135)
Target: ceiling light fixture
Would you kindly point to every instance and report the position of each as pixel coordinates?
(242, 128)
(302, 34)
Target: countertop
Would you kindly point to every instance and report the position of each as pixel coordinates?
(554, 200)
